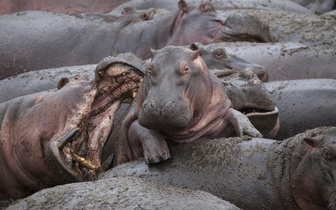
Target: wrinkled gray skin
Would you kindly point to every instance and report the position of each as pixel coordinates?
(303, 104)
(298, 173)
(39, 40)
(121, 193)
(285, 5)
(285, 61)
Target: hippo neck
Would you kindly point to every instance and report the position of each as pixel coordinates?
(281, 161)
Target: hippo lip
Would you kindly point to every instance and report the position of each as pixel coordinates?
(78, 150)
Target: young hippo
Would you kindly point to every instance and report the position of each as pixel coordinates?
(181, 100)
(57, 137)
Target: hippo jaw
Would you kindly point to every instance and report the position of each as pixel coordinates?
(76, 153)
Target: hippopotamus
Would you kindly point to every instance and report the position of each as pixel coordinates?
(121, 193)
(56, 137)
(73, 35)
(285, 5)
(60, 6)
(284, 61)
(297, 173)
(181, 100)
(216, 58)
(303, 104)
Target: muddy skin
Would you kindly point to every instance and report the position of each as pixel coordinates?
(121, 193)
(303, 104)
(285, 61)
(297, 173)
(73, 124)
(177, 100)
(285, 5)
(73, 35)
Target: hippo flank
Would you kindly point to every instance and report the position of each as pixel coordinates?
(56, 137)
(297, 173)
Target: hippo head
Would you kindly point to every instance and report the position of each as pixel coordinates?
(313, 171)
(206, 25)
(242, 85)
(175, 89)
(216, 58)
(128, 11)
(89, 106)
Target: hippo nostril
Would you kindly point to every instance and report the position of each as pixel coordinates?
(169, 105)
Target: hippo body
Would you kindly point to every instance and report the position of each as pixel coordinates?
(285, 60)
(303, 104)
(285, 5)
(121, 193)
(298, 173)
(56, 137)
(73, 35)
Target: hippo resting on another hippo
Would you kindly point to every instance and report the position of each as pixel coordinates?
(181, 100)
(297, 173)
(37, 150)
(284, 61)
(49, 40)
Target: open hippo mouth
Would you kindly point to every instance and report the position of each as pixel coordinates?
(251, 97)
(76, 154)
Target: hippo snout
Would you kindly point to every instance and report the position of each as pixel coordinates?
(260, 71)
(164, 114)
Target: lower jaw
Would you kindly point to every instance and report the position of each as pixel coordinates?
(266, 122)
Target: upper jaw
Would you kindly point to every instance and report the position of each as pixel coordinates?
(75, 153)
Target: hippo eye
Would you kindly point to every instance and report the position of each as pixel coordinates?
(326, 154)
(219, 54)
(184, 68)
(205, 8)
(76, 77)
(126, 10)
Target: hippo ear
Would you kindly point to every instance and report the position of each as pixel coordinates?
(152, 52)
(195, 54)
(62, 82)
(313, 141)
(183, 6)
(194, 47)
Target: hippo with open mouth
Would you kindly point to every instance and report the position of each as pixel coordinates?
(56, 137)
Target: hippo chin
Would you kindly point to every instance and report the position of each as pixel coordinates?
(297, 173)
(181, 100)
(56, 137)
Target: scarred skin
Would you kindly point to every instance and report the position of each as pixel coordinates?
(297, 173)
(56, 137)
(180, 100)
(86, 39)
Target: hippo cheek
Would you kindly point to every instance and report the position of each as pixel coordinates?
(168, 115)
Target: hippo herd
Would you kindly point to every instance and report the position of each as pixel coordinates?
(152, 104)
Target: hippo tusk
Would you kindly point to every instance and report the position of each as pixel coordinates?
(67, 138)
(134, 94)
(81, 161)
